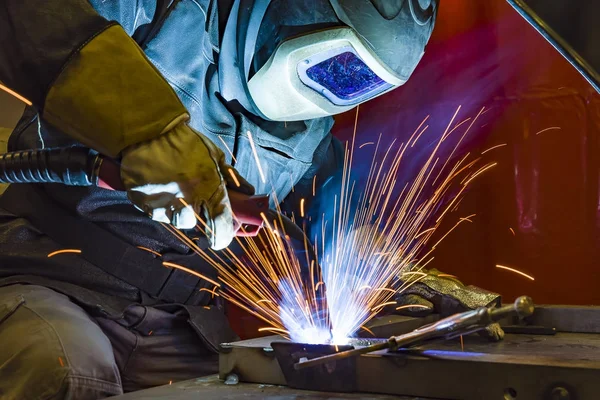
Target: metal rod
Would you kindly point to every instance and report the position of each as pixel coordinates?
(455, 325)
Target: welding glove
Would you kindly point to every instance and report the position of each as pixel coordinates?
(179, 175)
(445, 295)
(107, 95)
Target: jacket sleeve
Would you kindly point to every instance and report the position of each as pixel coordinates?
(84, 74)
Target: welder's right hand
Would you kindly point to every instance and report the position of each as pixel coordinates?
(179, 175)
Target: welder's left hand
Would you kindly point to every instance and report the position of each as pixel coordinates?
(446, 295)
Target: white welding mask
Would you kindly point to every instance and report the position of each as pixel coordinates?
(314, 58)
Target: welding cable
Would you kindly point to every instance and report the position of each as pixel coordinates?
(73, 166)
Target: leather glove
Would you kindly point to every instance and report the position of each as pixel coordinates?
(182, 164)
(446, 295)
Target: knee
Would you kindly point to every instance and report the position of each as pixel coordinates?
(36, 359)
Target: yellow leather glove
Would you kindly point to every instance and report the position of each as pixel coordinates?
(179, 175)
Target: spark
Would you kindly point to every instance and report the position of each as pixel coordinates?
(150, 333)
(234, 177)
(15, 94)
(260, 170)
(447, 276)
(189, 271)
(413, 273)
(513, 232)
(516, 271)
(456, 127)
(424, 232)
(481, 171)
(156, 253)
(367, 330)
(419, 135)
(459, 142)
(271, 329)
(494, 147)
(170, 382)
(379, 307)
(60, 360)
(385, 289)
(552, 128)
(213, 292)
(468, 218)
(314, 186)
(227, 148)
(66, 251)
(366, 144)
(302, 208)
(462, 343)
(412, 306)
(375, 237)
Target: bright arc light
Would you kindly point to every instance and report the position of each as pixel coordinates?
(375, 232)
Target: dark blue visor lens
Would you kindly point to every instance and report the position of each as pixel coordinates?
(346, 78)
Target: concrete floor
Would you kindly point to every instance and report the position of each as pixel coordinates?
(10, 112)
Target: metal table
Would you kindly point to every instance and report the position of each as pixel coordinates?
(212, 387)
(563, 366)
(554, 355)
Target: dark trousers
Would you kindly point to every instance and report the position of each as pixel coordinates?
(50, 348)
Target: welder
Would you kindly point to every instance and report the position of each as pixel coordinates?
(173, 90)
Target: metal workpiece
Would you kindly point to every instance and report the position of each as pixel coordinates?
(447, 328)
(522, 366)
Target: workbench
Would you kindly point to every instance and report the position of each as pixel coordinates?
(554, 355)
(211, 387)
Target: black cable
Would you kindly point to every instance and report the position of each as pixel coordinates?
(73, 166)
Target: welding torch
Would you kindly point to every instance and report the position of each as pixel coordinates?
(448, 328)
(81, 166)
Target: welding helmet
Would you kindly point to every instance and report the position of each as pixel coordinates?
(304, 59)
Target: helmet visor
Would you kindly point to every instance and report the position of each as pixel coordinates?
(341, 76)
